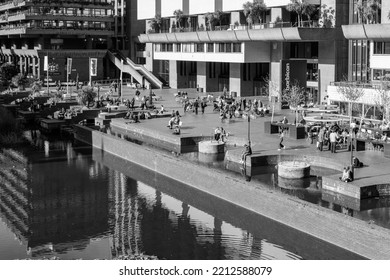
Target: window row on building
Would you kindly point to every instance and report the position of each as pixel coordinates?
(199, 47)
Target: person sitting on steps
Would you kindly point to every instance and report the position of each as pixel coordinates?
(247, 152)
(347, 175)
(357, 163)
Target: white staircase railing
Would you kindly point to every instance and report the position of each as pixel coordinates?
(138, 72)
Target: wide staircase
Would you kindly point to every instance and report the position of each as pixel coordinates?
(137, 71)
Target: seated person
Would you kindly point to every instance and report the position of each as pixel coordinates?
(370, 124)
(247, 152)
(384, 137)
(284, 120)
(129, 115)
(347, 175)
(217, 134)
(173, 121)
(162, 109)
(356, 162)
(176, 130)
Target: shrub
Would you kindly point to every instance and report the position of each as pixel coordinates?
(10, 131)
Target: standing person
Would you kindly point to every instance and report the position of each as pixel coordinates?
(196, 106)
(333, 141)
(203, 105)
(244, 104)
(281, 136)
(320, 138)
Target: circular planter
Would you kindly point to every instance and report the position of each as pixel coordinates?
(293, 169)
(211, 147)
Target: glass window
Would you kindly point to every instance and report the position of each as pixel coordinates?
(178, 47)
(210, 47)
(228, 48)
(200, 47)
(237, 47)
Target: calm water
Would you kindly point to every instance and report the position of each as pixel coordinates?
(74, 202)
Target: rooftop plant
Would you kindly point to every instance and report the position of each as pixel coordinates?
(254, 11)
(367, 10)
(301, 8)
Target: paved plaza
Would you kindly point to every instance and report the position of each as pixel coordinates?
(376, 165)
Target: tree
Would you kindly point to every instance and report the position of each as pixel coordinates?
(179, 15)
(351, 92)
(155, 23)
(218, 17)
(86, 95)
(300, 7)
(254, 11)
(383, 100)
(36, 86)
(327, 16)
(367, 10)
(7, 71)
(20, 80)
(295, 95)
(211, 20)
(272, 89)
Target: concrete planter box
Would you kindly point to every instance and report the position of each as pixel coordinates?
(386, 148)
(271, 128)
(297, 132)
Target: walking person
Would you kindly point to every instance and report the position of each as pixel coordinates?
(203, 105)
(320, 139)
(333, 137)
(281, 136)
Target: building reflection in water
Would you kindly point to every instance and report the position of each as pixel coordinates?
(145, 220)
(51, 206)
(63, 202)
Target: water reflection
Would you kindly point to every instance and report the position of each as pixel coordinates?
(58, 199)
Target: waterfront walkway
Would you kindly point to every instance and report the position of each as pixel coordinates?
(376, 168)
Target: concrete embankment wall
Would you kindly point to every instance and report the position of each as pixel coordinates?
(367, 240)
(172, 143)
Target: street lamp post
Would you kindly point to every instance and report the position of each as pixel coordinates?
(249, 131)
(352, 169)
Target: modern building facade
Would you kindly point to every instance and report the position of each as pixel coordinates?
(32, 29)
(368, 60)
(212, 54)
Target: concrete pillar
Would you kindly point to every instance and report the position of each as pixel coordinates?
(34, 66)
(38, 68)
(235, 78)
(21, 62)
(202, 21)
(234, 17)
(276, 14)
(201, 78)
(173, 83)
(89, 43)
(275, 72)
(385, 7)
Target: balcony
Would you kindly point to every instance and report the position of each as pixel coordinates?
(70, 4)
(276, 31)
(65, 17)
(12, 5)
(39, 29)
(378, 32)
